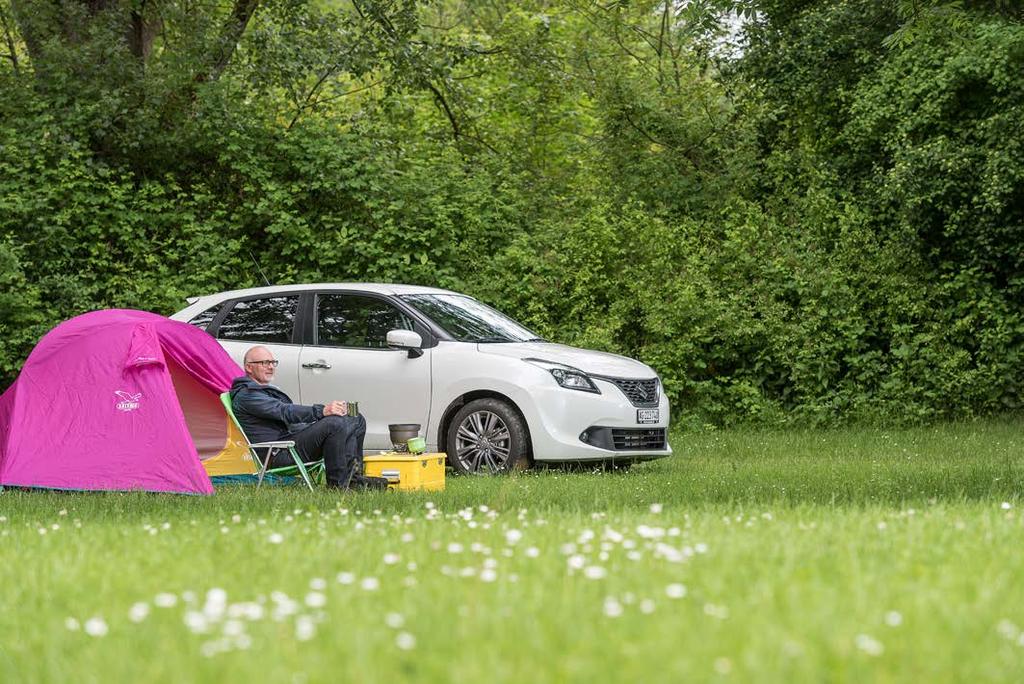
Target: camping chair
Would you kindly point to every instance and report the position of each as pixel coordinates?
(272, 448)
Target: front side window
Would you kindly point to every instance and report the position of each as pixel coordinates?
(357, 321)
(260, 320)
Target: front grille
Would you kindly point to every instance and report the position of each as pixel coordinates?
(639, 392)
(627, 439)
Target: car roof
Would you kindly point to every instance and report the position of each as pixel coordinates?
(378, 288)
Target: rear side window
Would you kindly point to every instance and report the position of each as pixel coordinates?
(203, 320)
(354, 321)
(260, 320)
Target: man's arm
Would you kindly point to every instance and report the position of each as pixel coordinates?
(267, 407)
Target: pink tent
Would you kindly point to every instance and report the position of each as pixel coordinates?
(117, 400)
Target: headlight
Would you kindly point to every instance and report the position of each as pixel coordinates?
(573, 379)
(567, 376)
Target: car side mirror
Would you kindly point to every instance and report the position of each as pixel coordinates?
(406, 339)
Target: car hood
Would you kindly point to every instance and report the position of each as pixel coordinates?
(593, 362)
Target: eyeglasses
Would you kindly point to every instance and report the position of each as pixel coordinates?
(272, 363)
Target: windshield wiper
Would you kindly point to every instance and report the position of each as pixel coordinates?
(485, 340)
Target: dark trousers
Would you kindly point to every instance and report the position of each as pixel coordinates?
(336, 439)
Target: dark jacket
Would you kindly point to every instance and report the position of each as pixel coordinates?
(266, 413)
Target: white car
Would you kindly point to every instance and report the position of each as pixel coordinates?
(486, 391)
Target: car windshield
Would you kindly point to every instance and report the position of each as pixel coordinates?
(467, 320)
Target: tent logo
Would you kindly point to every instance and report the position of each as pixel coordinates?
(129, 401)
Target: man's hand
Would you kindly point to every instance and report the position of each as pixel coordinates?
(336, 408)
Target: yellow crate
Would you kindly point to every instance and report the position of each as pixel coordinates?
(407, 471)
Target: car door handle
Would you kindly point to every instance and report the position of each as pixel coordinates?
(318, 364)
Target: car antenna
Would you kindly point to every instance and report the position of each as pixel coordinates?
(265, 279)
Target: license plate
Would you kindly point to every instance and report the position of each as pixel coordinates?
(646, 416)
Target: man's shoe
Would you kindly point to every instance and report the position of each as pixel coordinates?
(368, 482)
(360, 482)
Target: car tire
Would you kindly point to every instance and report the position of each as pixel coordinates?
(486, 437)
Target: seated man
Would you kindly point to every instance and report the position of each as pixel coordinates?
(268, 415)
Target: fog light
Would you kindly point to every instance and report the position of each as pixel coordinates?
(585, 436)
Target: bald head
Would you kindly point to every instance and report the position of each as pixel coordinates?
(260, 364)
(257, 353)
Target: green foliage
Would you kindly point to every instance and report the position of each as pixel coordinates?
(825, 229)
(921, 142)
(22, 316)
(948, 147)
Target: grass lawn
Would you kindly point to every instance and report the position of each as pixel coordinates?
(855, 555)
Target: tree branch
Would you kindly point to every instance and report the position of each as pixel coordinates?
(661, 43)
(311, 100)
(12, 49)
(142, 31)
(447, 110)
(686, 153)
(231, 32)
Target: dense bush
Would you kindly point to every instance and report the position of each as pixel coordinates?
(827, 229)
(770, 322)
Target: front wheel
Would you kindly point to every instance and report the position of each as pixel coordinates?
(487, 436)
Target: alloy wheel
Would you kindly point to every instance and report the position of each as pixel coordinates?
(483, 442)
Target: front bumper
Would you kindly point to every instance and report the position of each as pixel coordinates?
(558, 418)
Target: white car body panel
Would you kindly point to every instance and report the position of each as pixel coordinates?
(391, 387)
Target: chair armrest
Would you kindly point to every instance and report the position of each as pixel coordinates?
(279, 445)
